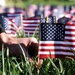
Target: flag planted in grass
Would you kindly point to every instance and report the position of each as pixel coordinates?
(56, 40)
(31, 25)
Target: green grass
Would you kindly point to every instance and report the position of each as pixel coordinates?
(24, 4)
(21, 65)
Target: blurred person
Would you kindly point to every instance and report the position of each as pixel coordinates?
(72, 10)
(30, 13)
(25, 13)
(11, 10)
(2, 3)
(47, 11)
(39, 11)
(31, 10)
(60, 10)
(67, 8)
(2, 10)
(55, 12)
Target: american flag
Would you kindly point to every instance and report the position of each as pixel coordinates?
(30, 25)
(16, 15)
(10, 25)
(57, 41)
(11, 22)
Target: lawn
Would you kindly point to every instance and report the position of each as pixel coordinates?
(25, 3)
(21, 65)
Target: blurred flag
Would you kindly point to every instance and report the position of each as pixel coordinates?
(1, 15)
(57, 41)
(12, 15)
(30, 25)
(16, 15)
(10, 25)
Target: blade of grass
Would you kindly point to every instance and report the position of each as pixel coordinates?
(8, 61)
(61, 66)
(58, 72)
(27, 62)
(18, 66)
(3, 59)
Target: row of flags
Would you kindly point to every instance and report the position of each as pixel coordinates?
(56, 39)
(12, 21)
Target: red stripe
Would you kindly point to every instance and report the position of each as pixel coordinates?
(14, 13)
(12, 29)
(54, 56)
(70, 24)
(69, 35)
(30, 26)
(56, 45)
(32, 18)
(31, 22)
(73, 30)
(55, 50)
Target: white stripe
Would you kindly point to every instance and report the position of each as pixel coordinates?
(8, 31)
(13, 14)
(57, 47)
(70, 27)
(70, 38)
(30, 28)
(31, 21)
(57, 42)
(30, 24)
(69, 32)
(56, 53)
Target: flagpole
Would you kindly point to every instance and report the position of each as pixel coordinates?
(47, 19)
(21, 18)
(40, 61)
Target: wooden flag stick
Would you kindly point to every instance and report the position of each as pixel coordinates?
(21, 19)
(40, 61)
(47, 19)
(41, 15)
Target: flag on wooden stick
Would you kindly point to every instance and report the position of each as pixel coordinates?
(56, 40)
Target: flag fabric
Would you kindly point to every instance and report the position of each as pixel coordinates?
(13, 15)
(57, 41)
(31, 25)
(16, 15)
(10, 25)
(1, 16)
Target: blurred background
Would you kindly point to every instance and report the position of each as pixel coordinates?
(31, 8)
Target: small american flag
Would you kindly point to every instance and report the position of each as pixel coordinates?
(31, 25)
(10, 25)
(57, 41)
